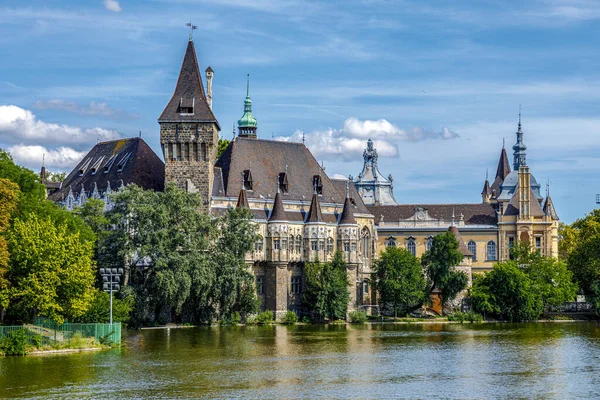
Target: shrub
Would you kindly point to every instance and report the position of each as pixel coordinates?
(15, 343)
(290, 318)
(465, 317)
(358, 317)
(251, 319)
(264, 318)
(306, 320)
(233, 319)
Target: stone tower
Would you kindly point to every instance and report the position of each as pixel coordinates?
(189, 132)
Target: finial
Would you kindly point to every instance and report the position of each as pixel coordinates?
(486, 174)
(140, 134)
(248, 85)
(519, 116)
(303, 137)
(278, 185)
(322, 166)
(192, 27)
(243, 186)
(315, 186)
(548, 187)
(503, 143)
(347, 189)
(452, 216)
(233, 130)
(43, 159)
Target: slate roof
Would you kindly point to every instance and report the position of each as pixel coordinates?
(314, 212)
(549, 208)
(462, 247)
(473, 214)
(535, 209)
(124, 161)
(189, 92)
(242, 200)
(501, 173)
(266, 159)
(347, 213)
(278, 213)
(355, 198)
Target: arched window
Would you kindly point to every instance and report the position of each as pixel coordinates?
(490, 253)
(365, 243)
(330, 245)
(391, 242)
(472, 246)
(429, 243)
(411, 245)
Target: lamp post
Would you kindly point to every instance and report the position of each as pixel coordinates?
(111, 279)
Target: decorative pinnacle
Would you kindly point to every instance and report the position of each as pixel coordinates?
(452, 216)
(43, 159)
(347, 189)
(315, 187)
(192, 27)
(278, 185)
(486, 174)
(248, 86)
(243, 186)
(519, 116)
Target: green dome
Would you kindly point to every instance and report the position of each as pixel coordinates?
(247, 120)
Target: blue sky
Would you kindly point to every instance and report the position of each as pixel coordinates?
(436, 84)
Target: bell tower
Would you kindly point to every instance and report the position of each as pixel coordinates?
(189, 131)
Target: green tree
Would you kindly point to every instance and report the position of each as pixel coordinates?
(99, 310)
(222, 146)
(326, 291)
(51, 270)
(181, 264)
(399, 280)
(506, 292)
(581, 247)
(55, 176)
(440, 262)
(9, 197)
(549, 277)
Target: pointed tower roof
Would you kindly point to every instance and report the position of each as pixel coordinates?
(242, 199)
(501, 173)
(314, 213)
(519, 149)
(247, 124)
(462, 247)
(486, 187)
(188, 103)
(278, 213)
(549, 208)
(347, 217)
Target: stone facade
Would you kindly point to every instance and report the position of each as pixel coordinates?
(190, 152)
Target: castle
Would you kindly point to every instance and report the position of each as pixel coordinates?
(301, 213)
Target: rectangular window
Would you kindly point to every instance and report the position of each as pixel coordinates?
(260, 285)
(258, 246)
(314, 246)
(195, 151)
(283, 244)
(179, 152)
(298, 244)
(352, 246)
(203, 147)
(276, 244)
(346, 246)
(172, 151)
(321, 245)
(296, 285)
(330, 246)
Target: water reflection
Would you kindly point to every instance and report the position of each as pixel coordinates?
(559, 360)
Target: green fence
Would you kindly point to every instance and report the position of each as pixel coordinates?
(52, 333)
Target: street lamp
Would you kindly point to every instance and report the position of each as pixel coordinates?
(111, 280)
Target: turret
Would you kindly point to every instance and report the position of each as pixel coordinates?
(519, 149)
(209, 76)
(247, 124)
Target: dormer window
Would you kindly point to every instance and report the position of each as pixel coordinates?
(318, 184)
(247, 179)
(84, 167)
(109, 164)
(283, 182)
(96, 165)
(122, 162)
(186, 108)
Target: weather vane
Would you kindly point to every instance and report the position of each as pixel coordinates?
(192, 27)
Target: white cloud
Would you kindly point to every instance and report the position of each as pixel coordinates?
(112, 5)
(348, 142)
(60, 159)
(338, 176)
(20, 126)
(93, 108)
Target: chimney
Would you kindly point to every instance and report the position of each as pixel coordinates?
(209, 76)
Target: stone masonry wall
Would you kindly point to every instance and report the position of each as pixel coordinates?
(190, 151)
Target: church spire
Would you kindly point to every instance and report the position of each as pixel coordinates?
(247, 124)
(519, 149)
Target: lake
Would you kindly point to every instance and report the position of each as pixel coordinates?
(536, 360)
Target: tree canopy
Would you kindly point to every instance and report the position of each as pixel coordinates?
(440, 262)
(326, 293)
(399, 280)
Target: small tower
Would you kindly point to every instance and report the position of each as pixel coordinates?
(247, 124)
(189, 131)
(373, 187)
(486, 193)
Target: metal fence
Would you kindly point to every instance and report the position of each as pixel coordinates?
(52, 333)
